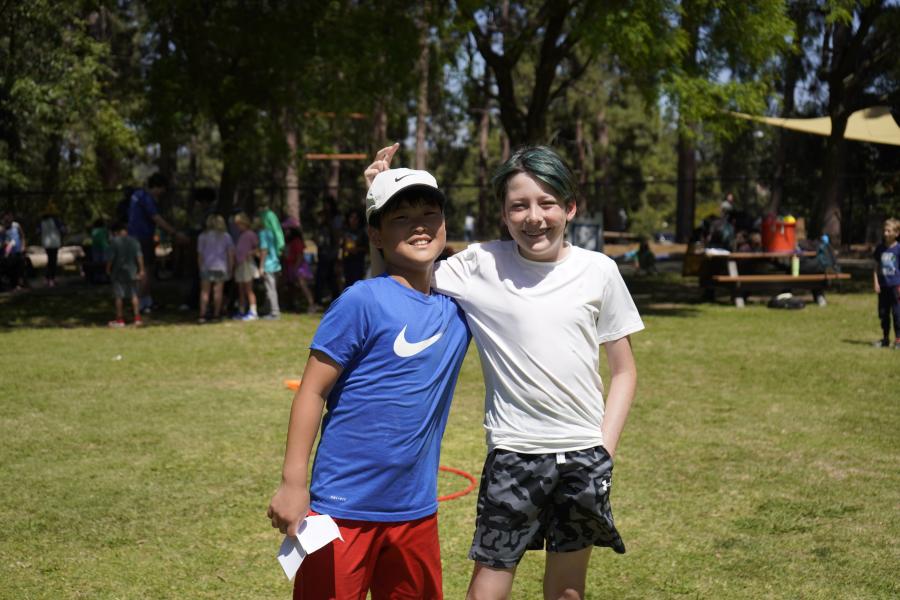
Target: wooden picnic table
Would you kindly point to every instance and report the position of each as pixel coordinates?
(740, 283)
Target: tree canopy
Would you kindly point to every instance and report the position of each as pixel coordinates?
(95, 95)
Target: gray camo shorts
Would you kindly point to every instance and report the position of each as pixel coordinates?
(535, 501)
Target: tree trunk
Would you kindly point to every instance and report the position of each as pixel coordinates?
(291, 177)
(581, 166)
(687, 186)
(486, 213)
(422, 93)
(602, 187)
(686, 196)
(379, 125)
(793, 69)
(334, 179)
(833, 180)
(168, 147)
(50, 181)
(231, 166)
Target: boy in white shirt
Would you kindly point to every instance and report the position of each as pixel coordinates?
(539, 309)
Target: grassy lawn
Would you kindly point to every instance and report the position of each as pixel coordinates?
(761, 459)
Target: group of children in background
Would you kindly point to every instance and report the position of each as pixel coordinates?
(249, 250)
(254, 252)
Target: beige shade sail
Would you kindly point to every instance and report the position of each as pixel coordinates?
(873, 124)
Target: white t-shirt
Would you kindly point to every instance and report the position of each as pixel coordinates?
(538, 327)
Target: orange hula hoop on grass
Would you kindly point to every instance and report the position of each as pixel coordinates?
(294, 385)
(461, 493)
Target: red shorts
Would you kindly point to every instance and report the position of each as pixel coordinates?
(393, 560)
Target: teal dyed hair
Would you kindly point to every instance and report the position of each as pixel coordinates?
(543, 164)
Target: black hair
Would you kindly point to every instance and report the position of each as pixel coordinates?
(411, 197)
(118, 226)
(157, 180)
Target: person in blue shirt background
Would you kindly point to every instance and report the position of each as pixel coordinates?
(143, 219)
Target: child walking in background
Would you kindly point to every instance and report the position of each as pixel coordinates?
(215, 259)
(269, 264)
(539, 310)
(297, 271)
(52, 231)
(125, 269)
(887, 283)
(245, 270)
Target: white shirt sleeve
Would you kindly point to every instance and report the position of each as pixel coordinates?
(451, 276)
(619, 316)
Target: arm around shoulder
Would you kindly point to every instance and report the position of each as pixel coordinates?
(451, 276)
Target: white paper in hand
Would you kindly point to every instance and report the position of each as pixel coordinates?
(315, 531)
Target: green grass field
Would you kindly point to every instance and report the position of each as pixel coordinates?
(761, 458)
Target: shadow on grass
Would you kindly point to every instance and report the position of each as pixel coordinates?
(873, 343)
(75, 304)
(665, 295)
(78, 304)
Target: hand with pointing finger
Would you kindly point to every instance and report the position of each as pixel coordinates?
(382, 162)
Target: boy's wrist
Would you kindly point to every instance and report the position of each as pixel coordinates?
(294, 480)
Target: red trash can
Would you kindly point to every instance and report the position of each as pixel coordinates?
(778, 236)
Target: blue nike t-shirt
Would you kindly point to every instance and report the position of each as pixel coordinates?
(379, 450)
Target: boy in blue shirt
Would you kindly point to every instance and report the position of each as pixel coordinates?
(384, 363)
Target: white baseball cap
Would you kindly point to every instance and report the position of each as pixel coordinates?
(388, 184)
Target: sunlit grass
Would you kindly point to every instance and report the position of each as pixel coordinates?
(760, 459)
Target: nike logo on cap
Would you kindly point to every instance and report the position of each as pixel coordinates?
(396, 179)
(405, 349)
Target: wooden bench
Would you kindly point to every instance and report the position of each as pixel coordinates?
(816, 282)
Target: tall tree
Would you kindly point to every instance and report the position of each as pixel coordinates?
(53, 111)
(537, 50)
(793, 68)
(722, 49)
(861, 43)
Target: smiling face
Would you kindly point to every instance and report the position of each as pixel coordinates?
(411, 234)
(536, 219)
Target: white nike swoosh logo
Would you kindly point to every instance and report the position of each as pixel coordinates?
(405, 349)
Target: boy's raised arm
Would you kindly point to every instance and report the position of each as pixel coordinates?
(381, 163)
(622, 384)
(290, 504)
